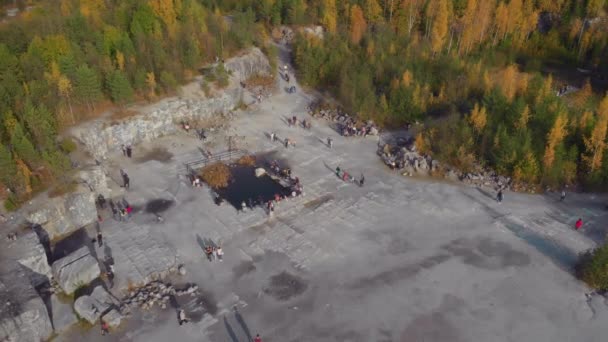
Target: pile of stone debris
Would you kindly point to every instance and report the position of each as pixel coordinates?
(401, 154)
(345, 124)
(157, 292)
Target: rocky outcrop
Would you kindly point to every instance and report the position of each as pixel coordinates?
(23, 315)
(75, 270)
(252, 63)
(96, 180)
(63, 215)
(91, 307)
(164, 118)
(62, 314)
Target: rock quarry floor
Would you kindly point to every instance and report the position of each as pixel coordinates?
(399, 259)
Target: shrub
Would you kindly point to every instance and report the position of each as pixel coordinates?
(592, 268)
(216, 175)
(68, 145)
(246, 161)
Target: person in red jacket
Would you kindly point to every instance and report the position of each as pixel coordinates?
(579, 223)
(257, 338)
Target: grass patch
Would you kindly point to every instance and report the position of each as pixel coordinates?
(68, 145)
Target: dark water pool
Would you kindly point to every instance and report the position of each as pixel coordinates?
(245, 186)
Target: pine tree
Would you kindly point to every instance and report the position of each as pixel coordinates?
(120, 88)
(22, 146)
(8, 167)
(40, 123)
(595, 144)
(524, 117)
(88, 87)
(439, 29)
(358, 25)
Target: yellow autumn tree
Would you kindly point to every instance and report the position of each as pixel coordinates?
(167, 11)
(527, 169)
(595, 144)
(478, 118)
(556, 135)
(329, 18)
(407, 78)
(373, 11)
(585, 120)
(508, 82)
(501, 22)
(439, 30)
(64, 87)
(581, 97)
(358, 25)
(151, 85)
(120, 60)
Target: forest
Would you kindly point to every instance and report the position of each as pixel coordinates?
(486, 77)
(63, 62)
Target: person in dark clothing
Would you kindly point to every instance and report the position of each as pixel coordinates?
(101, 201)
(499, 196)
(338, 171)
(129, 151)
(126, 181)
(562, 196)
(99, 239)
(362, 180)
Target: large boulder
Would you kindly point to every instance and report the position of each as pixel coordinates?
(81, 209)
(75, 270)
(62, 314)
(91, 307)
(31, 254)
(23, 315)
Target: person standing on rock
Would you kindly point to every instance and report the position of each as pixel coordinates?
(99, 239)
(181, 317)
(562, 196)
(129, 151)
(257, 338)
(330, 142)
(362, 180)
(579, 223)
(499, 196)
(220, 253)
(110, 275)
(104, 327)
(127, 181)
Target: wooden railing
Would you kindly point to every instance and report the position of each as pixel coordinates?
(192, 166)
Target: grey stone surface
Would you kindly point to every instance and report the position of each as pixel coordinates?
(113, 318)
(23, 315)
(81, 209)
(90, 308)
(76, 269)
(62, 314)
(96, 180)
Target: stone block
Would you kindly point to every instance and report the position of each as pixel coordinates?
(30, 253)
(90, 308)
(76, 269)
(63, 315)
